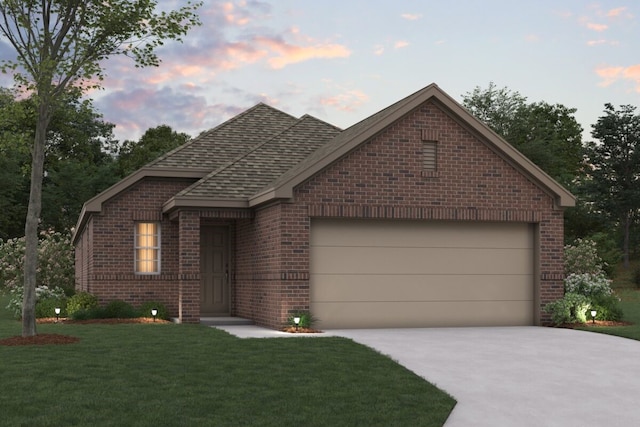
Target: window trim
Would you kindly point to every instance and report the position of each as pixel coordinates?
(157, 250)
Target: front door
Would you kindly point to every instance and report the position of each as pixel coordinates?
(214, 270)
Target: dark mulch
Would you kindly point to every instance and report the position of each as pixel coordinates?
(595, 324)
(300, 330)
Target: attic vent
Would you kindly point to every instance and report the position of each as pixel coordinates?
(429, 155)
(429, 150)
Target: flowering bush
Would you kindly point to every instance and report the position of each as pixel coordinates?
(55, 261)
(586, 287)
(43, 293)
(582, 258)
(588, 284)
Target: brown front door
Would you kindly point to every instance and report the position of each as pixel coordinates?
(214, 270)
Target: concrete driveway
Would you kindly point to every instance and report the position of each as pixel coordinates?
(521, 376)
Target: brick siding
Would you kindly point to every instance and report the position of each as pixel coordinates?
(382, 178)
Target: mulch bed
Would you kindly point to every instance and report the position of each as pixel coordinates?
(300, 330)
(597, 323)
(56, 339)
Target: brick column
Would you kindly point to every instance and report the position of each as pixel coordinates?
(189, 267)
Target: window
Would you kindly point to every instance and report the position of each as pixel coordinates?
(147, 248)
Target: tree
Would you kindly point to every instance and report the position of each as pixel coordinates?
(77, 161)
(497, 108)
(614, 178)
(14, 155)
(155, 142)
(61, 44)
(549, 135)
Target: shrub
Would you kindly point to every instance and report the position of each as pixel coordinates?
(16, 295)
(582, 258)
(81, 301)
(306, 319)
(588, 284)
(87, 313)
(118, 309)
(607, 307)
(570, 309)
(145, 310)
(45, 307)
(55, 261)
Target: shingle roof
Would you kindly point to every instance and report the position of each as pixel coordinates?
(264, 162)
(263, 153)
(223, 143)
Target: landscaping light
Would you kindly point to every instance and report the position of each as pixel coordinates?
(57, 311)
(154, 313)
(593, 316)
(296, 320)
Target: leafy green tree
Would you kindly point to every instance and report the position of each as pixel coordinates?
(498, 108)
(64, 43)
(549, 135)
(77, 162)
(614, 176)
(14, 155)
(155, 142)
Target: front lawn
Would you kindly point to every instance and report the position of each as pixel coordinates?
(191, 375)
(630, 303)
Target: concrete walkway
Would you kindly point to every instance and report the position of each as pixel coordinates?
(519, 376)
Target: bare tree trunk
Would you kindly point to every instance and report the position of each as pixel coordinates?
(32, 221)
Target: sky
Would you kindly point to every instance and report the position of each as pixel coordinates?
(342, 61)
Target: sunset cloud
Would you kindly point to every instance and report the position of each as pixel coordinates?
(611, 75)
(597, 27)
(137, 110)
(287, 53)
(618, 12)
(411, 16)
(347, 101)
(378, 50)
(235, 16)
(400, 44)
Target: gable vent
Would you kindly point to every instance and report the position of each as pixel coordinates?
(429, 155)
(429, 150)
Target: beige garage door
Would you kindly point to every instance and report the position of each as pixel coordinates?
(372, 274)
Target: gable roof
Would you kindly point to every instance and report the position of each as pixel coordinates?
(230, 139)
(263, 153)
(233, 183)
(199, 156)
(362, 131)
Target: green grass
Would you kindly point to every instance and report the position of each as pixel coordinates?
(627, 290)
(191, 375)
(630, 303)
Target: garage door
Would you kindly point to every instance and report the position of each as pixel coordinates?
(372, 274)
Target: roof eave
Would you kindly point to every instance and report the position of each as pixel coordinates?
(200, 202)
(94, 205)
(562, 197)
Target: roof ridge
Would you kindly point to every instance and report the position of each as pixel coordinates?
(245, 153)
(203, 134)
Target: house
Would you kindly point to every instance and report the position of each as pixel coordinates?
(419, 215)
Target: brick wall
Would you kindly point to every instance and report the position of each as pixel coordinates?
(106, 247)
(383, 178)
(258, 260)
